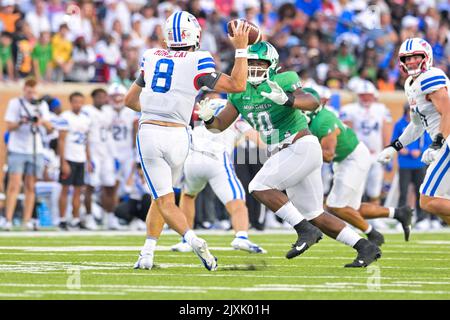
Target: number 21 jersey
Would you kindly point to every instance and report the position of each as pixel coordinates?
(171, 83)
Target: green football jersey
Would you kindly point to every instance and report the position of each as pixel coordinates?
(274, 122)
(325, 122)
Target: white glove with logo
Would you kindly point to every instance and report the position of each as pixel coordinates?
(386, 155)
(277, 94)
(429, 155)
(204, 111)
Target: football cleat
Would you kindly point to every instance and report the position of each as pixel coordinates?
(246, 245)
(375, 237)
(307, 236)
(368, 252)
(181, 247)
(404, 216)
(89, 223)
(7, 226)
(200, 248)
(113, 222)
(144, 262)
(63, 226)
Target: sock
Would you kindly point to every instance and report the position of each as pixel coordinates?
(242, 234)
(75, 220)
(183, 240)
(62, 219)
(290, 214)
(189, 236)
(149, 245)
(368, 230)
(348, 236)
(391, 212)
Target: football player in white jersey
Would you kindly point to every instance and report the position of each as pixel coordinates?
(427, 90)
(124, 129)
(73, 149)
(209, 162)
(102, 159)
(372, 123)
(165, 94)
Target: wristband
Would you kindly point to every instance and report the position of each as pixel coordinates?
(240, 53)
(290, 100)
(396, 144)
(210, 121)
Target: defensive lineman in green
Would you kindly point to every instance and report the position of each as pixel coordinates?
(271, 105)
(351, 165)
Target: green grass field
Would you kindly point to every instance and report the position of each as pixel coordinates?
(54, 265)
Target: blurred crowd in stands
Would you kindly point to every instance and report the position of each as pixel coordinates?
(329, 42)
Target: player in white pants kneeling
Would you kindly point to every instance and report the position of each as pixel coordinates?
(209, 162)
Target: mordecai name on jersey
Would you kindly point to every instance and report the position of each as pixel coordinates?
(171, 83)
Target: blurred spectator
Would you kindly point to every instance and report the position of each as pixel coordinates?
(37, 19)
(108, 57)
(61, 54)
(117, 10)
(42, 57)
(149, 20)
(8, 15)
(22, 49)
(6, 58)
(83, 57)
(346, 61)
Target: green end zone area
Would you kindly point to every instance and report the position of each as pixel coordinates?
(88, 266)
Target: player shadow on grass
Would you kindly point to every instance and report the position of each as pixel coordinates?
(254, 266)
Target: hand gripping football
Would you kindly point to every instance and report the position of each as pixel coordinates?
(254, 35)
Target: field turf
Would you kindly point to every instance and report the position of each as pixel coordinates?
(54, 265)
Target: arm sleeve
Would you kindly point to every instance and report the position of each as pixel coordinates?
(208, 80)
(412, 132)
(205, 66)
(140, 80)
(433, 80)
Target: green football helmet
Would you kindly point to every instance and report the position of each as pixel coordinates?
(262, 51)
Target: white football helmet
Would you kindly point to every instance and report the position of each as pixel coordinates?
(416, 46)
(367, 93)
(182, 30)
(116, 93)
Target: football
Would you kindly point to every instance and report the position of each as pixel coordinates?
(254, 35)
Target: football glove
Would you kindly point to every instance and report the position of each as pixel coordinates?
(386, 155)
(204, 111)
(277, 94)
(429, 155)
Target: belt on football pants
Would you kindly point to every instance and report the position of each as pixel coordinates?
(301, 133)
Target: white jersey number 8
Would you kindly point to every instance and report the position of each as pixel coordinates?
(163, 70)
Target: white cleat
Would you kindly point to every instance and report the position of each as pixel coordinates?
(435, 225)
(200, 248)
(137, 225)
(113, 223)
(144, 262)
(7, 226)
(423, 225)
(89, 223)
(246, 245)
(31, 225)
(181, 247)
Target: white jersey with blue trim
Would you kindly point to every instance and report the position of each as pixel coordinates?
(171, 83)
(123, 132)
(417, 91)
(368, 123)
(225, 141)
(77, 127)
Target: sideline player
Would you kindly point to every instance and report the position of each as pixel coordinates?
(296, 161)
(124, 129)
(372, 123)
(209, 162)
(165, 94)
(351, 164)
(102, 158)
(427, 90)
(73, 150)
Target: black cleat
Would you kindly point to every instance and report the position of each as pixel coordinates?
(367, 253)
(375, 237)
(63, 226)
(307, 236)
(404, 216)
